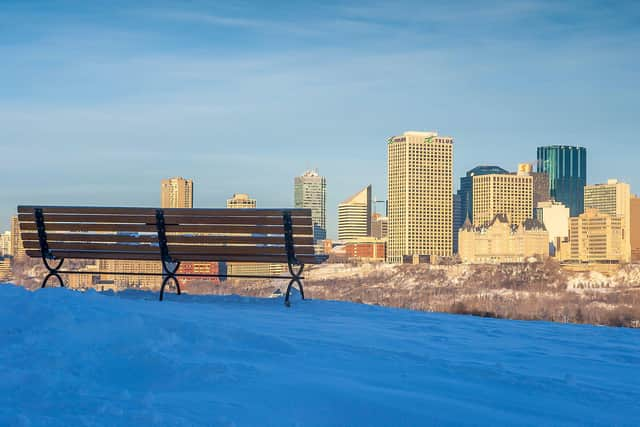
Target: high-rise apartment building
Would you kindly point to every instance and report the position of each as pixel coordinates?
(463, 200)
(17, 247)
(354, 216)
(594, 237)
(310, 191)
(241, 201)
(634, 232)
(555, 217)
(567, 170)
(612, 198)
(420, 189)
(498, 194)
(176, 193)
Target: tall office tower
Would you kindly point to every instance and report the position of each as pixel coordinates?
(458, 219)
(541, 191)
(510, 195)
(540, 183)
(567, 170)
(241, 201)
(354, 216)
(17, 247)
(612, 198)
(420, 188)
(5, 243)
(555, 217)
(176, 193)
(635, 229)
(379, 226)
(465, 196)
(466, 187)
(310, 191)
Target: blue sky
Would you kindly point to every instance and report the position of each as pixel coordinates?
(100, 100)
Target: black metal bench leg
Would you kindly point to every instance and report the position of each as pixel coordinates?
(53, 272)
(170, 275)
(295, 278)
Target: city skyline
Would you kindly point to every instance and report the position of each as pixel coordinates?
(131, 88)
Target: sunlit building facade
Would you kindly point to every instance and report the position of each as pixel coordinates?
(420, 190)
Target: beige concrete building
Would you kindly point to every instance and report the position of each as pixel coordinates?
(635, 229)
(499, 194)
(176, 193)
(594, 237)
(17, 247)
(555, 217)
(499, 241)
(241, 201)
(420, 196)
(612, 198)
(354, 216)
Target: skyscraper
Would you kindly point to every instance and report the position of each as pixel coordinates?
(241, 201)
(379, 226)
(498, 194)
(354, 216)
(463, 207)
(17, 247)
(176, 193)
(567, 170)
(5, 243)
(310, 191)
(634, 233)
(420, 202)
(612, 198)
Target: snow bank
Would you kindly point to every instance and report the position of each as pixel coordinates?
(69, 358)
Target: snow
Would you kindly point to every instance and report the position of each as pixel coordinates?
(71, 358)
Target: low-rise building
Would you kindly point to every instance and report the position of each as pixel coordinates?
(595, 237)
(499, 241)
(5, 268)
(367, 249)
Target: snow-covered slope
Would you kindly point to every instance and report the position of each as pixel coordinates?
(69, 358)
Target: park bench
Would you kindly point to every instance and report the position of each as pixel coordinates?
(170, 236)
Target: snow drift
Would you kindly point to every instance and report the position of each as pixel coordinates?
(70, 358)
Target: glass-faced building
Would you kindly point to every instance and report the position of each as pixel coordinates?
(567, 170)
(310, 191)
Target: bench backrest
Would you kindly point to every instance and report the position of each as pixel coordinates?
(238, 235)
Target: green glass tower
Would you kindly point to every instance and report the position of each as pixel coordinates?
(567, 170)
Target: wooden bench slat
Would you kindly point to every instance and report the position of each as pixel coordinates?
(169, 219)
(174, 250)
(141, 228)
(141, 256)
(153, 238)
(100, 210)
(87, 237)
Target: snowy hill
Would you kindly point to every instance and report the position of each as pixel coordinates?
(69, 358)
